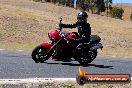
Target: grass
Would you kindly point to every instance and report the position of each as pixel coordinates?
(24, 28)
(62, 85)
(16, 11)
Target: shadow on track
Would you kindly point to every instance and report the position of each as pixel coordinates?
(101, 66)
(89, 65)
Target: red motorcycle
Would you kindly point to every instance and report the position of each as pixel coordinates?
(61, 49)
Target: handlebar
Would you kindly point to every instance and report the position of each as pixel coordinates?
(63, 34)
(60, 18)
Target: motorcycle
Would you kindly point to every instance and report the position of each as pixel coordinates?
(61, 49)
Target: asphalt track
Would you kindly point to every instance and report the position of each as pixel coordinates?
(19, 65)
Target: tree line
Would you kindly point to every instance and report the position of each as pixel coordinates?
(92, 6)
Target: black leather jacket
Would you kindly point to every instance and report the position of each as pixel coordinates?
(84, 30)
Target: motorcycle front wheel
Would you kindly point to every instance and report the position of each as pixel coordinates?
(39, 54)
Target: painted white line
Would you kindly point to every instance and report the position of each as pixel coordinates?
(20, 50)
(37, 80)
(32, 80)
(113, 56)
(2, 49)
(125, 57)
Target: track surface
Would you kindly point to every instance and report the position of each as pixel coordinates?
(18, 64)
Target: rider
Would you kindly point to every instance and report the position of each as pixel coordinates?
(83, 26)
(84, 30)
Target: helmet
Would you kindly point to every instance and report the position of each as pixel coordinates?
(82, 16)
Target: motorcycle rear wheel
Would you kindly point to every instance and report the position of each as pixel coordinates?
(87, 57)
(39, 54)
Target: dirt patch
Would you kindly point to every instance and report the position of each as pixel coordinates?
(25, 24)
(20, 30)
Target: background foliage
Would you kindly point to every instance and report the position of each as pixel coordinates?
(131, 17)
(116, 12)
(92, 6)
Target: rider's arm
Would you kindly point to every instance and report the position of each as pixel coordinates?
(69, 25)
(89, 29)
(84, 34)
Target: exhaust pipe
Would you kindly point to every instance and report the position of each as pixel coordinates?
(99, 45)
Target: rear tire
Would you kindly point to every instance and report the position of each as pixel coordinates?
(87, 57)
(39, 54)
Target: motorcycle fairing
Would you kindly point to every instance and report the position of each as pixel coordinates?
(46, 45)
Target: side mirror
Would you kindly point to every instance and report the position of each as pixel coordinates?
(60, 18)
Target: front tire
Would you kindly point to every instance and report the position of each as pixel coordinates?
(39, 54)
